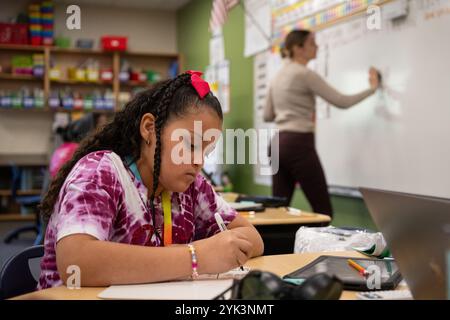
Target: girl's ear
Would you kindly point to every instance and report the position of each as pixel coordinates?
(147, 127)
(297, 50)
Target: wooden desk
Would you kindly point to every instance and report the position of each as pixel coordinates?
(278, 216)
(277, 227)
(286, 263)
(278, 264)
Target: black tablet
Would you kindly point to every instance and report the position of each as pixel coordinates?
(339, 266)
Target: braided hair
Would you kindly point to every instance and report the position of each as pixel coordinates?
(167, 99)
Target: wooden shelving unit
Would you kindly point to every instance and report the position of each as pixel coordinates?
(17, 217)
(65, 58)
(22, 47)
(133, 84)
(33, 192)
(89, 52)
(85, 83)
(157, 61)
(8, 76)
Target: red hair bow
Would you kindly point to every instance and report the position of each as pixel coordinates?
(200, 85)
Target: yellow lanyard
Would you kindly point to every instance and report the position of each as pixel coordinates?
(167, 208)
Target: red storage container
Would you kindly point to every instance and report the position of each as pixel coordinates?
(13, 33)
(134, 76)
(36, 41)
(114, 43)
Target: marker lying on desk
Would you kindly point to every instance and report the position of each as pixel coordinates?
(222, 227)
(294, 211)
(359, 268)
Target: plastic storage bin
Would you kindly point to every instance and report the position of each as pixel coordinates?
(114, 43)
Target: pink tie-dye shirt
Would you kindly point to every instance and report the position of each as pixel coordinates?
(91, 201)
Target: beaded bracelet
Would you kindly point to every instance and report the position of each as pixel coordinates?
(194, 261)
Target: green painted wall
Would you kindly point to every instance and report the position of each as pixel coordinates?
(193, 44)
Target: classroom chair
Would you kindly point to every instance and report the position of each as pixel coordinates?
(29, 202)
(16, 277)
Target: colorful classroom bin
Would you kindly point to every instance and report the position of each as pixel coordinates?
(106, 75)
(92, 75)
(62, 42)
(13, 33)
(41, 18)
(47, 33)
(78, 103)
(114, 43)
(35, 41)
(22, 64)
(54, 101)
(99, 103)
(39, 100)
(28, 102)
(55, 73)
(34, 20)
(47, 5)
(67, 103)
(5, 101)
(77, 74)
(88, 103)
(47, 41)
(34, 8)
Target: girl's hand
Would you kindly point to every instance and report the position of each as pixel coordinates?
(222, 252)
(374, 79)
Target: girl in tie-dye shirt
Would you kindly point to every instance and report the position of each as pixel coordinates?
(105, 206)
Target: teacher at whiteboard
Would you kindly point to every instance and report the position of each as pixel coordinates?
(291, 104)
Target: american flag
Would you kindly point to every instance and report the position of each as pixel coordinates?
(219, 12)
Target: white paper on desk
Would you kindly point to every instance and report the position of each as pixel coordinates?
(175, 290)
(236, 273)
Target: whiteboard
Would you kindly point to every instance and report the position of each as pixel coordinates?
(399, 138)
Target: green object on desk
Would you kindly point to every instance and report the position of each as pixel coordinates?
(369, 252)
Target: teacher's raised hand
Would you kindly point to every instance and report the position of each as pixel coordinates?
(374, 78)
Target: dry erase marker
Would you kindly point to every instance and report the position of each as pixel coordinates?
(380, 79)
(222, 226)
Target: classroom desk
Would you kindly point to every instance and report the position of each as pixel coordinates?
(278, 264)
(277, 227)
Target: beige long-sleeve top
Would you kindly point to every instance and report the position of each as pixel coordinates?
(291, 97)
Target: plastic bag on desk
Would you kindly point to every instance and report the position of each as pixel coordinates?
(336, 239)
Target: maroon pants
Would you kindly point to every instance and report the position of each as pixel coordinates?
(299, 162)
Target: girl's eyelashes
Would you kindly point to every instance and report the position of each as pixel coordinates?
(199, 147)
(194, 147)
